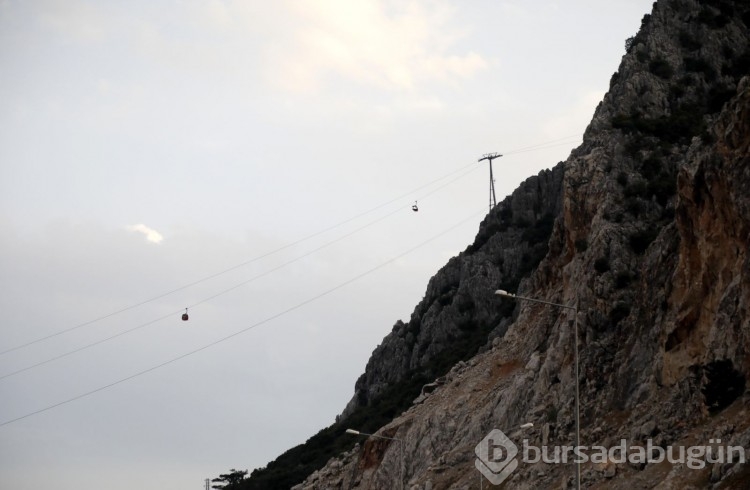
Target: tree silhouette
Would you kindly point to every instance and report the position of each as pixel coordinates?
(230, 480)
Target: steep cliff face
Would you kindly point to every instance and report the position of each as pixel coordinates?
(457, 316)
(650, 240)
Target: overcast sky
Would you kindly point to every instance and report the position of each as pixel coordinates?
(149, 145)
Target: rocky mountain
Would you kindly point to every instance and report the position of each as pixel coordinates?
(645, 229)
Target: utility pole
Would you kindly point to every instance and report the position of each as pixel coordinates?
(489, 157)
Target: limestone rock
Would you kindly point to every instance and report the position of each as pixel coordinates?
(645, 228)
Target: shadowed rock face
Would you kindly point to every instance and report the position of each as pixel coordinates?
(459, 312)
(646, 228)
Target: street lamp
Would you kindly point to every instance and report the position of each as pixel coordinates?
(506, 294)
(401, 446)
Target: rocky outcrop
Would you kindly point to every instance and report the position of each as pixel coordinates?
(458, 306)
(645, 229)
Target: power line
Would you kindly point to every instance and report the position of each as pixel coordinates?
(227, 290)
(540, 146)
(246, 329)
(234, 267)
(566, 140)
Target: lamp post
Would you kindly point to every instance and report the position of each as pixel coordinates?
(506, 294)
(401, 446)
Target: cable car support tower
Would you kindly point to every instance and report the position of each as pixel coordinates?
(489, 157)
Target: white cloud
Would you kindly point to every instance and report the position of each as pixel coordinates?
(83, 21)
(393, 46)
(151, 235)
(294, 46)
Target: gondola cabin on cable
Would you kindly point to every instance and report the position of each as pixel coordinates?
(185, 316)
(414, 207)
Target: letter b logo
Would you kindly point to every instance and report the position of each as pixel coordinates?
(496, 457)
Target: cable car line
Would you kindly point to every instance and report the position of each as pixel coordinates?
(204, 300)
(540, 146)
(543, 146)
(246, 329)
(224, 291)
(242, 264)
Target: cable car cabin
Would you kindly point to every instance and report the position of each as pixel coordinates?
(414, 207)
(185, 316)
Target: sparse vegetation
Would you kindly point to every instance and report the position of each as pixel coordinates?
(620, 311)
(541, 230)
(699, 65)
(713, 19)
(295, 464)
(651, 167)
(662, 187)
(647, 176)
(623, 278)
(661, 68)
(622, 179)
(229, 481)
(640, 240)
(551, 413)
(601, 265)
(636, 189)
(688, 42)
(613, 79)
(581, 244)
(634, 206)
(684, 123)
(723, 385)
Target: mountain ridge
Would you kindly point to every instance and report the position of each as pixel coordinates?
(646, 228)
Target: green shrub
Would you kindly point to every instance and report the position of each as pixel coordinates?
(530, 260)
(629, 43)
(622, 279)
(688, 42)
(651, 167)
(636, 189)
(713, 20)
(661, 68)
(685, 122)
(551, 413)
(581, 244)
(620, 311)
(676, 91)
(540, 231)
(640, 240)
(717, 97)
(614, 78)
(663, 187)
(601, 265)
(622, 179)
(740, 65)
(686, 81)
(699, 65)
(634, 206)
